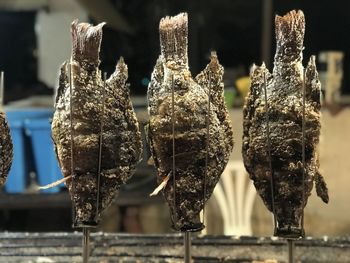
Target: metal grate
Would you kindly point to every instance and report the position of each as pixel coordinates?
(131, 248)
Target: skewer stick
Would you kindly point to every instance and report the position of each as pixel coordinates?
(86, 244)
(291, 246)
(303, 152)
(1, 93)
(173, 133)
(100, 146)
(269, 153)
(207, 149)
(86, 231)
(71, 134)
(187, 246)
(2, 88)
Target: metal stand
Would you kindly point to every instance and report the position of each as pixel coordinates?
(291, 248)
(86, 244)
(187, 246)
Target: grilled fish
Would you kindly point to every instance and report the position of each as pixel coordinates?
(190, 116)
(285, 116)
(6, 149)
(94, 113)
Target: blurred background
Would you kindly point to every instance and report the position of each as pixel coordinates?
(35, 41)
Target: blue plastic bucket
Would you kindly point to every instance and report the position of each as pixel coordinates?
(22, 162)
(47, 169)
(16, 180)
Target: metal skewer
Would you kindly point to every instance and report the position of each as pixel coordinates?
(187, 234)
(187, 245)
(86, 228)
(86, 231)
(207, 148)
(2, 88)
(303, 150)
(86, 244)
(291, 246)
(173, 131)
(71, 133)
(173, 143)
(100, 146)
(291, 242)
(2, 95)
(270, 158)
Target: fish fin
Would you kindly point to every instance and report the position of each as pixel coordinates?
(312, 83)
(58, 182)
(215, 72)
(158, 70)
(257, 80)
(149, 141)
(161, 186)
(120, 75)
(173, 36)
(321, 188)
(150, 161)
(117, 82)
(56, 152)
(211, 80)
(253, 100)
(86, 40)
(155, 85)
(63, 81)
(289, 29)
(146, 129)
(63, 85)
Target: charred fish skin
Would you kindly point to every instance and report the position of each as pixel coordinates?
(285, 113)
(6, 149)
(121, 137)
(190, 125)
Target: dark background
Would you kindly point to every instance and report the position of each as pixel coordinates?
(231, 27)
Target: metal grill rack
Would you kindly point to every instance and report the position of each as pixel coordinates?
(133, 248)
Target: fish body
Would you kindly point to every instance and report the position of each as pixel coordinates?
(90, 113)
(284, 119)
(179, 109)
(6, 149)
